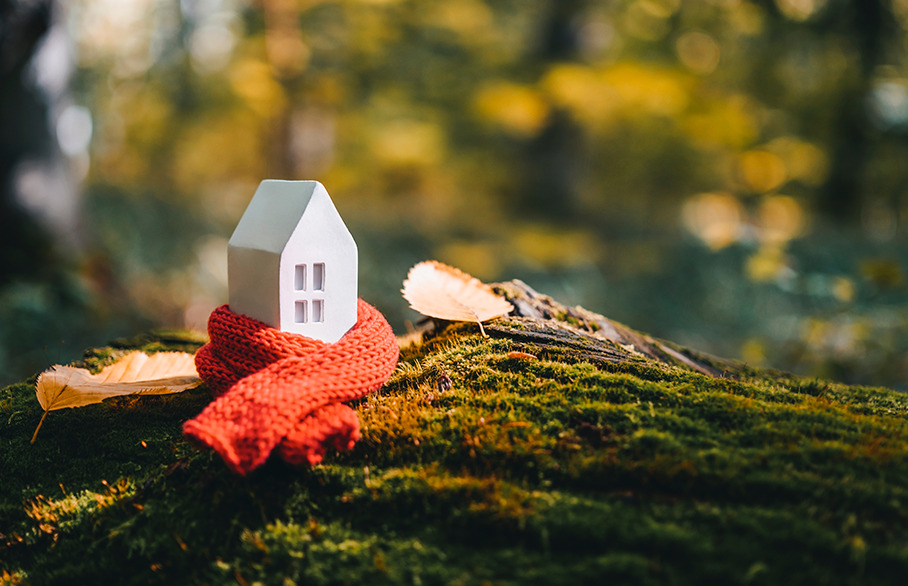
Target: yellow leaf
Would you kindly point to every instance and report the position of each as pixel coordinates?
(136, 373)
(438, 290)
(519, 110)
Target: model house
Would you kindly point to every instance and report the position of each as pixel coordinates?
(292, 263)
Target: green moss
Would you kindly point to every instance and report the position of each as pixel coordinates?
(571, 467)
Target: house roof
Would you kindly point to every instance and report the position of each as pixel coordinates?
(275, 212)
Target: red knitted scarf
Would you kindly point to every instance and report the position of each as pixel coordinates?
(280, 390)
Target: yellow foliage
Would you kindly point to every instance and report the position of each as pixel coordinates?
(729, 122)
(579, 90)
(201, 156)
(698, 51)
(140, 120)
(753, 352)
(714, 218)
(882, 272)
(780, 218)
(254, 82)
(767, 264)
(125, 166)
(843, 289)
(800, 10)
(746, 18)
(287, 51)
(657, 91)
(761, 171)
(805, 161)
(555, 248)
(469, 18)
(373, 27)
(147, 113)
(477, 258)
(406, 143)
(596, 95)
(836, 337)
(648, 19)
(518, 109)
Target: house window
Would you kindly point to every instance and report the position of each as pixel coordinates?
(301, 283)
(318, 276)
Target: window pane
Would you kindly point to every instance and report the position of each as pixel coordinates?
(301, 312)
(318, 276)
(318, 310)
(300, 278)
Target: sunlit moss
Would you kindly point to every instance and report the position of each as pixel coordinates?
(478, 462)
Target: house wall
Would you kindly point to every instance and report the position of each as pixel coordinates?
(321, 237)
(253, 283)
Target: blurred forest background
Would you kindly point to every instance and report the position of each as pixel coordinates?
(727, 174)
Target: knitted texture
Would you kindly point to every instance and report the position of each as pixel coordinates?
(277, 390)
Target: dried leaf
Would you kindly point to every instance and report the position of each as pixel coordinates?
(136, 373)
(438, 290)
(60, 387)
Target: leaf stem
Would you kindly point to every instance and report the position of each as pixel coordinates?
(35, 435)
(482, 329)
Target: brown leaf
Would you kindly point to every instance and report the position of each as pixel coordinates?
(136, 373)
(438, 290)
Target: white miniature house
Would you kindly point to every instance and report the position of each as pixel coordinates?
(292, 263)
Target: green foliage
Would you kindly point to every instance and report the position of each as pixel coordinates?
(552, 470)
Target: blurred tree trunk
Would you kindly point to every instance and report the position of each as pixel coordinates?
(554, 168)
(870, 25)
(283, 47)
(25, 246)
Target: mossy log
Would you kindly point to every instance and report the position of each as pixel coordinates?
(563, 449)
(580, 333)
